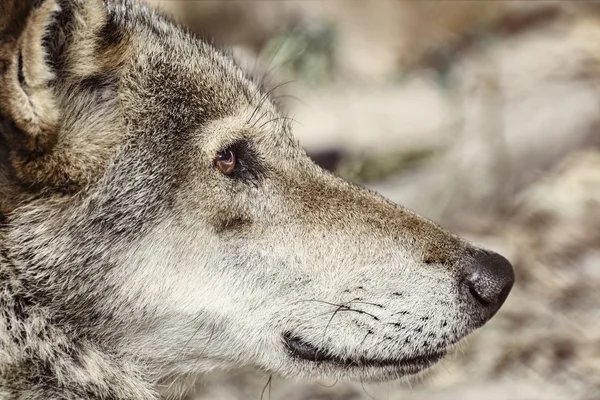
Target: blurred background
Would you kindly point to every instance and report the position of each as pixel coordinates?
(481, 115)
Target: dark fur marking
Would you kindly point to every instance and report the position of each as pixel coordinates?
(18, 11)
(15, 137)
(57, 38)
(21, 76)
(97, 82)
(234, 224)
(111, 34)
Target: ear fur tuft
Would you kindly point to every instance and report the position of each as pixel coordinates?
(30, 116)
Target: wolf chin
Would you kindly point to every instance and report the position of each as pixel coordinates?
(158, 221)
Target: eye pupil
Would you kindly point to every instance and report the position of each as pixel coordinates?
(225, 161)
(225, 155)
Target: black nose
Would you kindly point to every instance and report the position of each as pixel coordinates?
(489, 280)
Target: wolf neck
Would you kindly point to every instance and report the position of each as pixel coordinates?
(47, 360)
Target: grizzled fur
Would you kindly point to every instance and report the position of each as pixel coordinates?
(129, 262)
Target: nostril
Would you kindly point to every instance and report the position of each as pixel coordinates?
(477, 297)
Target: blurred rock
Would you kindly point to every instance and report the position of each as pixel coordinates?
(549, 330)
(370, 120)
(526, 103)
(394, 34)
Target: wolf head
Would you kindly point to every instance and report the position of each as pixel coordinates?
(156, 203)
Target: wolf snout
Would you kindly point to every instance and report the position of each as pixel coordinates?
(488, 281)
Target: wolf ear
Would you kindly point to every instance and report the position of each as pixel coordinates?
(29, 116)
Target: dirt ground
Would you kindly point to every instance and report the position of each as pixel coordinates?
(484, 116)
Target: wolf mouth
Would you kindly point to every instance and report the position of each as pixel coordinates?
(300, 349)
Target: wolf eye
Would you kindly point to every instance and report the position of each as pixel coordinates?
(225, 161)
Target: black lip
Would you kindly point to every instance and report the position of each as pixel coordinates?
(301, 349)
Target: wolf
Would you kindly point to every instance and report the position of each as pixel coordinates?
(159, 221)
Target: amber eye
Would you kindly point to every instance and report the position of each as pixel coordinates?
(225, 161)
